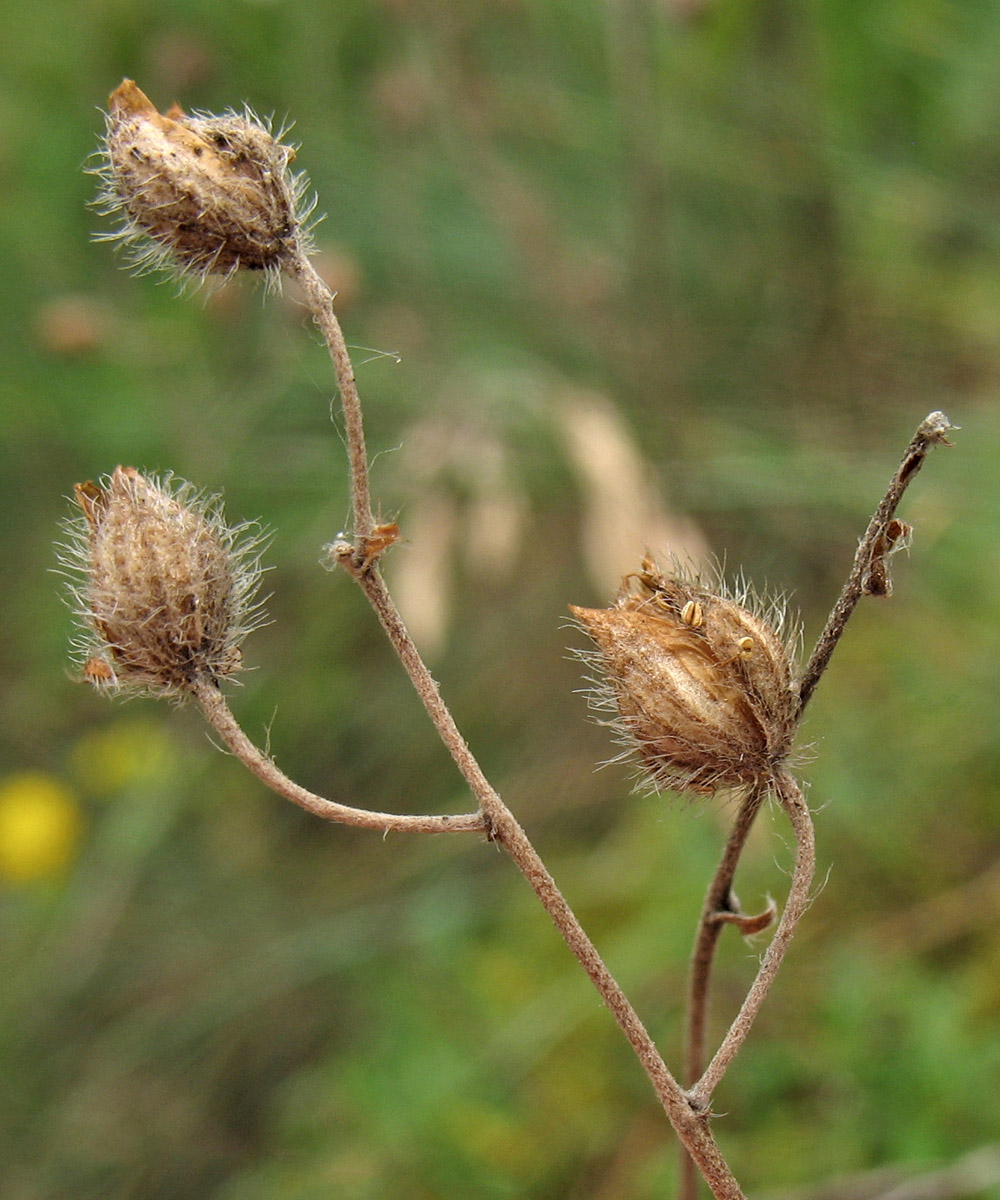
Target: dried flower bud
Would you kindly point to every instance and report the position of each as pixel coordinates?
(699, 685)
(210, 194)
(167, 594)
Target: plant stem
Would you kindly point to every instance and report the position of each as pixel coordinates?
(931, 432)
(718, 900)
(374, 588)
(793, 802)
(690, 1124)
(501, 825)
(503, 828)
(219, 716)
(688, 1112)
(868, 568)
(320, 302)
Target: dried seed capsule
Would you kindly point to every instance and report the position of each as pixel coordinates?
(209, 194)
(698, 684)
(168, 589)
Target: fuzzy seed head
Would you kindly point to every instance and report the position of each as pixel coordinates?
(699, 685)
(163, 589)
(205, 194)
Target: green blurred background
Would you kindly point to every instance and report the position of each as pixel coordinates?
(620, 276)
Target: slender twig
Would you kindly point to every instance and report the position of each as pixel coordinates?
(688, 1112)
(219, 716)
(320, 301)
(719, 902)
(690, 1123)
(931, 432)
(502, 827)
(792, 801)
(868, 577)
(373, 586)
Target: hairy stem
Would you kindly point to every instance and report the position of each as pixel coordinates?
(719, 901)
(320, 302)
(501, 825)
(690, 1124)
(503, 828)
(931, 432)
(219, 716)
(869, 576)
(793, 802)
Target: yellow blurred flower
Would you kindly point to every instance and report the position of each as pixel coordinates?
(127, 753)
(40, 826)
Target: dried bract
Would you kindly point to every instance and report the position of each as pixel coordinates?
(699, 685)
(207, 194)
(167, 589)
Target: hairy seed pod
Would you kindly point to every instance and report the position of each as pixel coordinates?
(209, 194)
(167, 593)
(699, 685)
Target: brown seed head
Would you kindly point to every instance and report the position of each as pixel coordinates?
(700, 686)
(209, 194)
(168, 589)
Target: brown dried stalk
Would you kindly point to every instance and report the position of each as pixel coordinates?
(319, 300)
(868, 576)
(214, 195)
(689, 1115)
(792, 801)
(219, 716)
(502, 827)
(720, 905)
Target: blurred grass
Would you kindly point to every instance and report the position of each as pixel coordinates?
(768, 234)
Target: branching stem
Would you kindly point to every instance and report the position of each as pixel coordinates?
(219, 716)
(932, 431)
(502, 827)
(718, 900)
(869, 567)
(688, 1111)
(793, 802)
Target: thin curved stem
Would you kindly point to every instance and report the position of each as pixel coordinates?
(718, 900)
(793, 802)
(320, 302)
(691, 1126)
(868, 574)
(361, 560)
(220, 717)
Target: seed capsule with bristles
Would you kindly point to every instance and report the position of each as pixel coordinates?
(167, 593)
(699, 686)
(207, 194)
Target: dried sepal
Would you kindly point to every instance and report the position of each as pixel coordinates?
(699, 684)
(748, 925)
(164, 590)
(895, 536)
(199, 193)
